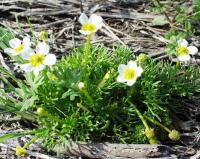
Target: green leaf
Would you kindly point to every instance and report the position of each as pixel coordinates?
(196, 16)
(10, 136)
(160, 21)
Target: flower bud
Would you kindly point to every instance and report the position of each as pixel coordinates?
(43, 35)
(107, 75)
(105, 78)
(149, 132)
(52, 76)
(153, 141)
(81, 85)
(174, 135)
(20, 151)
(41, 111)
(142, 58)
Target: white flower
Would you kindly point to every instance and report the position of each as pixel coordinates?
(184, 51)
(129, 73)
(81, 85)
(38, 60)
(19, 47)
(90, 25)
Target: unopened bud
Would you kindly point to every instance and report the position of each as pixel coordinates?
(51, 76)
(142, 58)
(20, 151)
(153, 141)
(41, 111)
(107, 75)
(174, 135)
(149, 132)
(43, 35)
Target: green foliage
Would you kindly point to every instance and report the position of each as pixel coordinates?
(157, 8)
(160, 21)
(5, 36)
(10, 136)
(196, 4)
(181, 25)
(71, 116)
(103, 109)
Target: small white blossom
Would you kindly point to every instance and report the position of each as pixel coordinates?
(81, 85)
(19, 47)
(39, 59)
(184, 51)
(129, 73)
(90, 25)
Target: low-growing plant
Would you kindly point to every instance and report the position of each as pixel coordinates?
(181, 22)
(93, 94)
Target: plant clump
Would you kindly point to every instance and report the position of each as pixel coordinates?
(94, 94)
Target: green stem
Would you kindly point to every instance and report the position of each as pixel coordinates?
(85, 92)
(159, 124)
(54, 118)
(82, 107)
(139, 115)
(103, 81)
(18, 25)
(32, 31)
(87, 49)
(31, 141)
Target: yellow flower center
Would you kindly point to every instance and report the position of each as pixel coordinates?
(37, 59)
(89, 27)
(182, 50)
(129, 74)
(19, 48)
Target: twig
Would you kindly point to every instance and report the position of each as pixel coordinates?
(112, 34)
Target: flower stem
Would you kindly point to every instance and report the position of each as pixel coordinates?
(31, 141)
(87, 95)
(103, 81)
(87, 49)
(139, 115)
(159, 124)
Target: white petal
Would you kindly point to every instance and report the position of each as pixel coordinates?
(93, 38)
(96, 20)
(37, 70)
(120, 78)
(27, 67)
(9, 51)
(184, 58)
(50, 59)
(85, 32)
(121, 68)
(139, 71)
(132, 64)
(26, 42)
(83, 19)
(14, 43)
(42, 48)
(192, 50)
(81, 85)
(182, 42)
(27, 53)
(130, 83)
